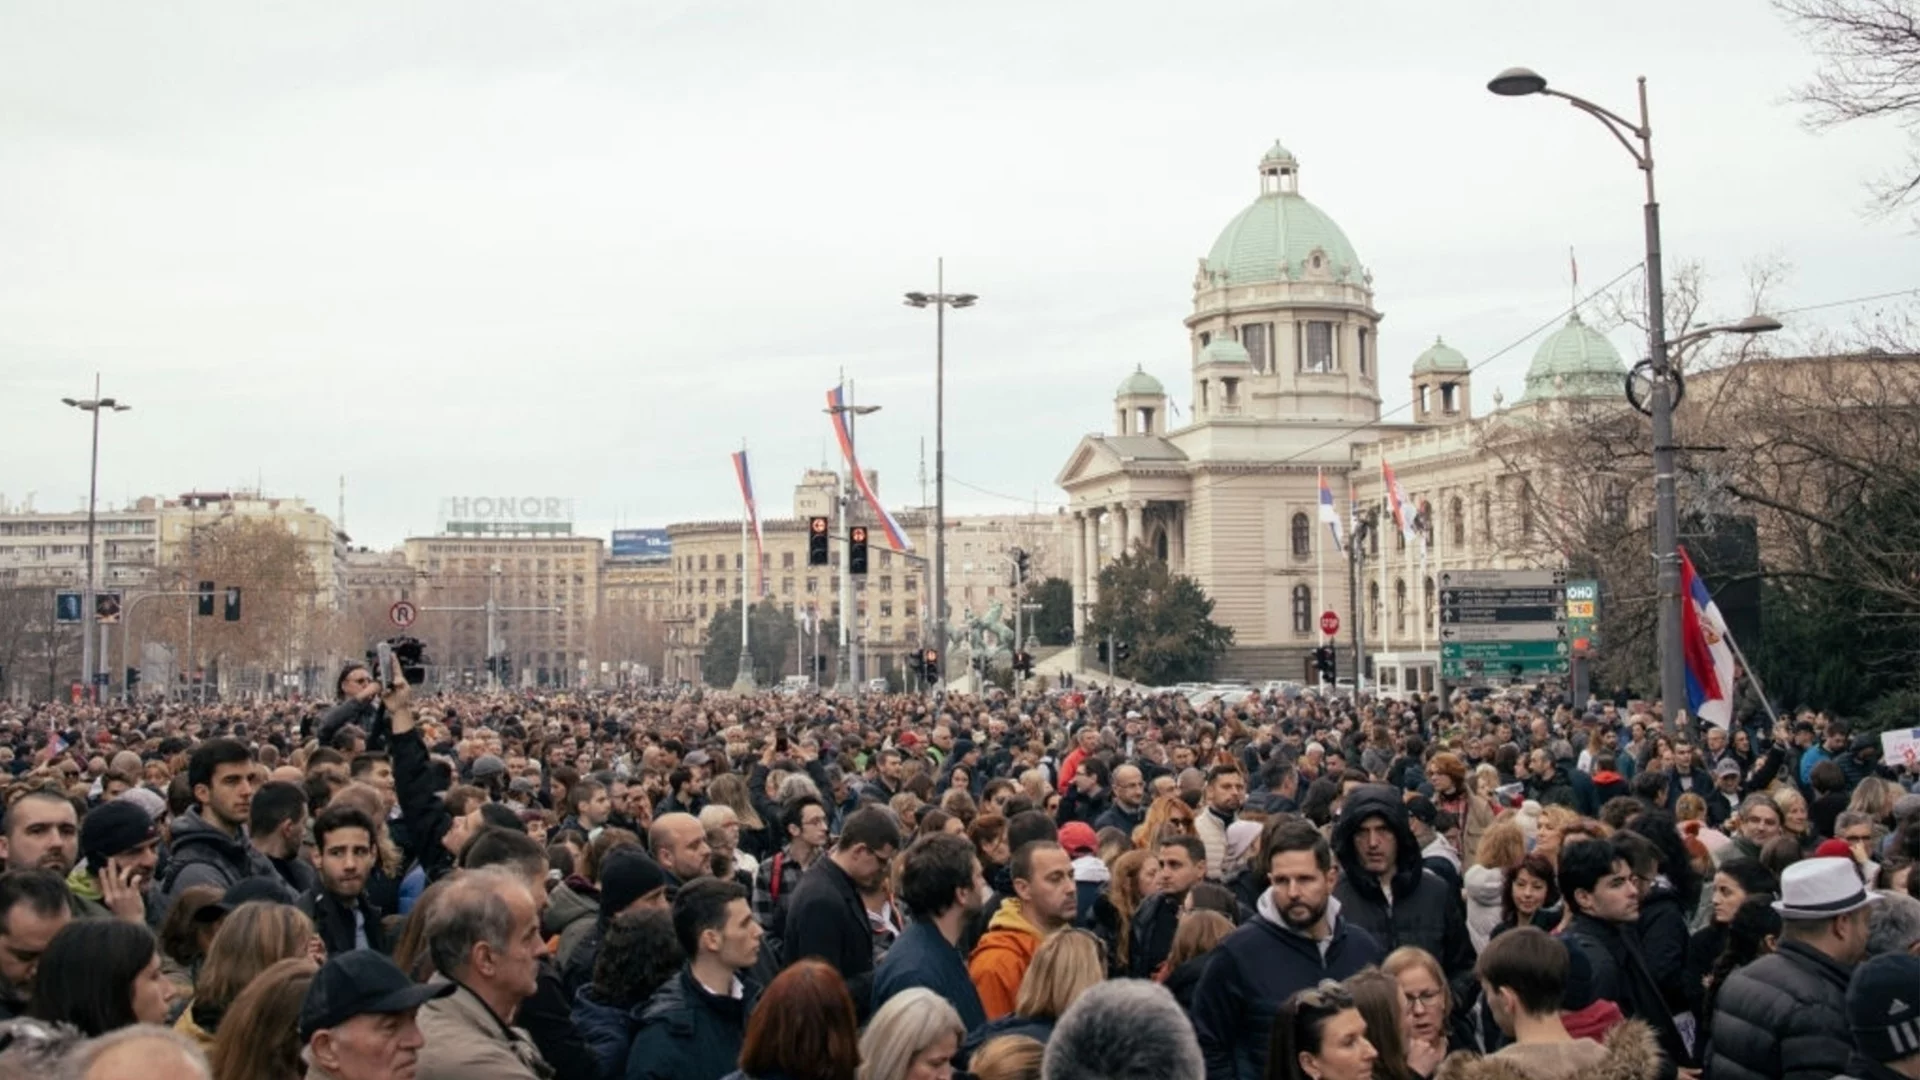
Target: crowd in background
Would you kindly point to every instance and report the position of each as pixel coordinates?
(1078, 884)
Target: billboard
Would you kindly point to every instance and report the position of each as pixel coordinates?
(641, 545)
(506, 515)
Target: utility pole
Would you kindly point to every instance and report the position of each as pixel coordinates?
(89, 618)
(940, 300)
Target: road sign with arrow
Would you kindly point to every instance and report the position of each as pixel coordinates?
(1503, 622)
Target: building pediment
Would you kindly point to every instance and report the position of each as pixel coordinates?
(1104, 455)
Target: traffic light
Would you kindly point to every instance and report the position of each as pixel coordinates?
(1122, 651)
(1022, 565)
(1324, 662)
(206, 599)
(233, 603)
(133, 677)
(817, 554)
(857, 550)
(930, 665)
(1103, 650)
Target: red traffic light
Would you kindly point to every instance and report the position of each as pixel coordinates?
(818, 526)
(859, 534)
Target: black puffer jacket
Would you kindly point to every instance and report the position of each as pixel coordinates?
(1423, 911)
(687, 1033)
(1782, 1017)
(205, 855)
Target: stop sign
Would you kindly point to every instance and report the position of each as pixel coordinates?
(1329, 623)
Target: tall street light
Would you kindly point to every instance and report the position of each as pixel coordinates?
(940, 300)
(844, 503)
(88, 617)
(1662, 379)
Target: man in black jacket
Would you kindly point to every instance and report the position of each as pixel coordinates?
(1784, 1016)
(1596, 880)
(695, 1025)
(1128, 810)
(826, 917)
(1297, 939)
(1385, 888)
(1183, 864)
(338, 905)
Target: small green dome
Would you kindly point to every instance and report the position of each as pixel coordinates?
(1225, 351)
(1275, 238)
(1575, 361)
(1140, 383)
(1439, 358)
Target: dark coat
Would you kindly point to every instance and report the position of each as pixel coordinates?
(425, 815)
(923, 957)
(686, 1033)
(1620, 975)
(1252, 972)
(333, 920)
(826, 919)
(547, 1018)
(1423, 912)
(608, 1031)
(1782, 1017)
(1662, 927)
(1119, 817)
(202, 854)
(1154, 924)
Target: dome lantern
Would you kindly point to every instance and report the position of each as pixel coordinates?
(1281, 237)
(1140, 405)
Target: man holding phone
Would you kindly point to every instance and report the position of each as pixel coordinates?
(118, 853)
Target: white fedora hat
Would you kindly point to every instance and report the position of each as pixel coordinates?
(1821, 888)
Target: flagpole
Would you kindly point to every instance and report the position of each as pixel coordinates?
(1753, 678)
(1319, 559)
(1386, 566)
(743, 676)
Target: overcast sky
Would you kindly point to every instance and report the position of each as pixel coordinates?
(582, 249)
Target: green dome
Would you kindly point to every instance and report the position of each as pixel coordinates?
(1576, 361)
(1225, 351)
(1275, 238)
(1441, 357)
(1140, 383)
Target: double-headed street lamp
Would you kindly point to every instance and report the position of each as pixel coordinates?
(88, 617)
(940, 301)
(1663, 385)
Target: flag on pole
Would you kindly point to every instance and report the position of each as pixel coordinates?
(836, 406)
(1704, 643)
(753, 519)
(1328, 514)
(1397, 500)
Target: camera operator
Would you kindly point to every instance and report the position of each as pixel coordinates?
(357, 703)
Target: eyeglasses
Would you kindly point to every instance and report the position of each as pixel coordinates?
(1422, 1001)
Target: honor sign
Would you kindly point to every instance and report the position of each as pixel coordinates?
(504, 515)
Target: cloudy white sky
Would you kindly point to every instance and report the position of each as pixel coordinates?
(582, 249)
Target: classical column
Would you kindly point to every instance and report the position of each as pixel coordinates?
(1081, 594)
(1135, 515)
(1177, 538)
(1093, 553)
(1122, 530)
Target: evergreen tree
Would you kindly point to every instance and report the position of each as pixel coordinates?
(1164, 620)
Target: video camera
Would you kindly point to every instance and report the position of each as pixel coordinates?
(409, 654)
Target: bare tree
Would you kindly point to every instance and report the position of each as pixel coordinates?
(1870, 54)
(279, 590)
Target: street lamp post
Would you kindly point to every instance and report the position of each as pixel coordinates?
(1664, 380)
(88, 617)
(940, 300)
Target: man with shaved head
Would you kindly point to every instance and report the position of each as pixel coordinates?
(679, 844)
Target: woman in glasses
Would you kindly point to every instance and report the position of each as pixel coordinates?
(1319, 1034)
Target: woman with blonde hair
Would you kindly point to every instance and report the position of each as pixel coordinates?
(1132, 877)
(256, 936)
(1554, 821)
(1200, 930)
(756, 837)
(1009, 1057)
(1428, 1002)
(1065, 965)
(260, 1037)
(915, 1034)
(1169, 813)
(1501, 849)
(1793, 818)
(1377, 995)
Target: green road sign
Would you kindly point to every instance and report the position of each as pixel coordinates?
(1504, 652)
(1473, 669)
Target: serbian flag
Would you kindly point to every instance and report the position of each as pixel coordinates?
(836, 411)
(1397, 500)
(753, 518)
(1327, 512)
(1704, 643)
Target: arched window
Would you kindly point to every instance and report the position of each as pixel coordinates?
(1302, 537)
(1160, 544)
(1526, 511)
(1373, 607)
(1399, 537)
(1457, 520)
(1399, 605)
(1486, 517)
(1302, 609)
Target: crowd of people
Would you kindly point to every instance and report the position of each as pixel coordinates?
(1069, 885)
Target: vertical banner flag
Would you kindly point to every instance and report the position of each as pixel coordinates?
(753, 519)
(1328, 514)
(1397, 500)
(1704, 644)
(836, 411)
